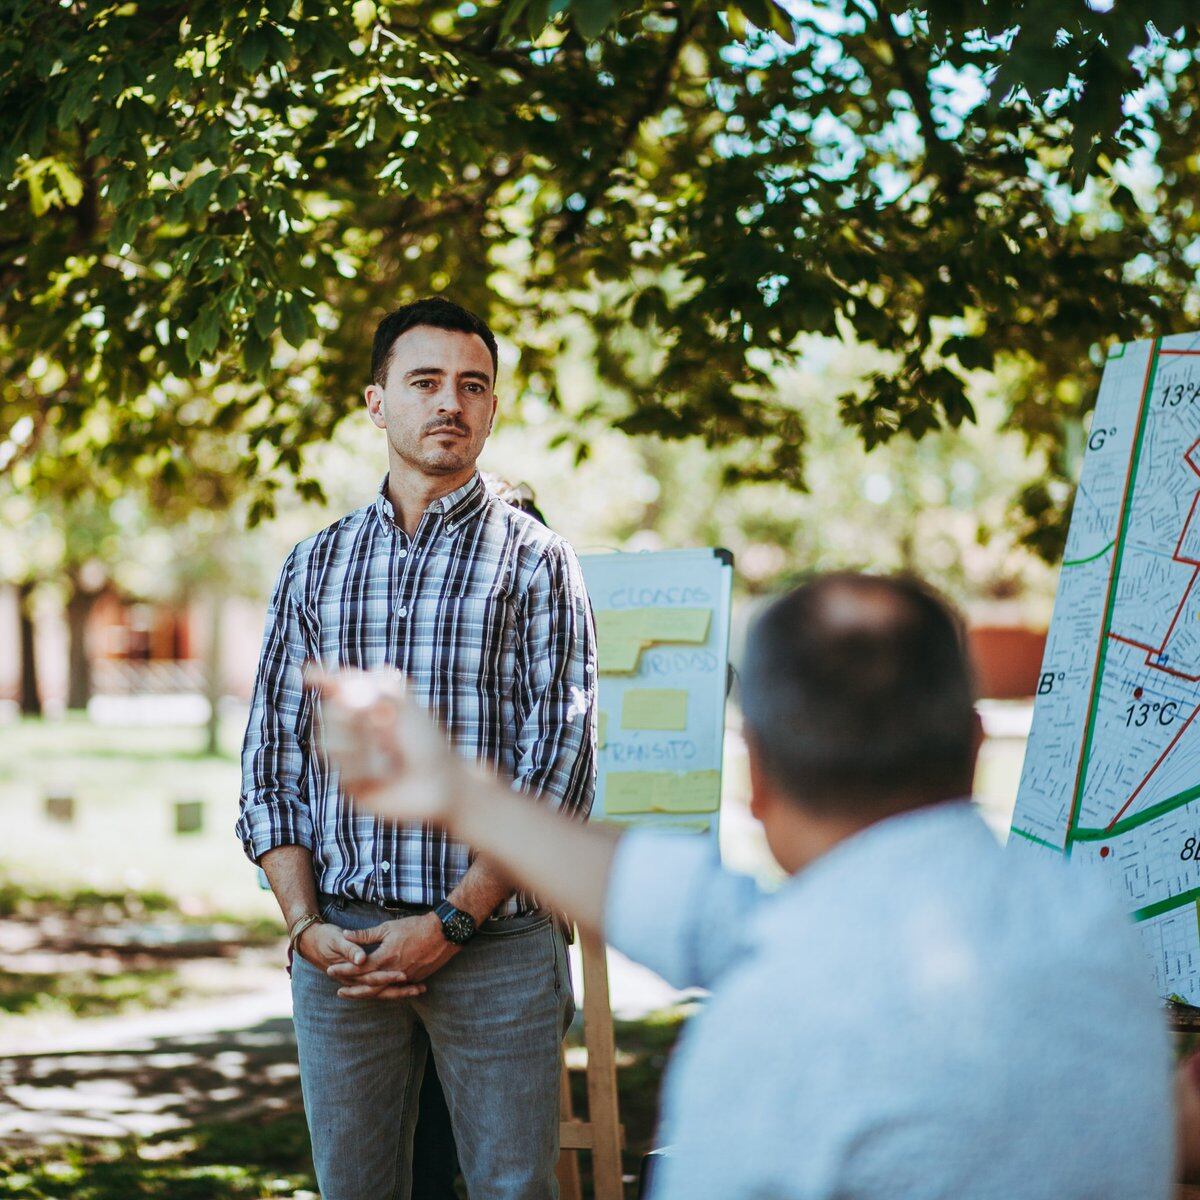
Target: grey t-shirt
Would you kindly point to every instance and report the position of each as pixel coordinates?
(915, 1015)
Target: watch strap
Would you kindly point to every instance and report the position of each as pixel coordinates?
(458, 927)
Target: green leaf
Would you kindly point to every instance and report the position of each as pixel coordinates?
(262, 508)
(266, 317)
(203, 334)
(758, 12)
(200, 191)
(37, 193)
(228, 193)
(537, 13)
(256, 352)
(117, 189)
(252, 53)
(782, 23)
(974, 353)
(512, 13)
(295, 322)
(591, 17)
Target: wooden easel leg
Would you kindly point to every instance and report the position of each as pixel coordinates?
(567, 1170)
(601, 1072)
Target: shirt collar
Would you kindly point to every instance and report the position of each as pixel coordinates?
(900, 841)
(455, 507)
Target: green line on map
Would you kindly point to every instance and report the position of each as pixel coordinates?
(1161, 906)
(1198, 916)
(1029, 837)
(1078, 562)
(1110, 603)
(1139, 818)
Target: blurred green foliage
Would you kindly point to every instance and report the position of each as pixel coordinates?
(207, 206)
(30, 900)
(86, 994)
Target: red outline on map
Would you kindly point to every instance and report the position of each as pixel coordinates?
(1150, 650)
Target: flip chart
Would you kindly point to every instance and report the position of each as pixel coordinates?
(662, 627)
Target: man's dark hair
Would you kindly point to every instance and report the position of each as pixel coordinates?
(435, 311)
(858, 694)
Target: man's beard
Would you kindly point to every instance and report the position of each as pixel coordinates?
(437, 460)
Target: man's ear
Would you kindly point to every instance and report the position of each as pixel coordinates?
(762, 789)
(373, 395)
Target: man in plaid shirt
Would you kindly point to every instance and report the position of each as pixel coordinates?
(405, 941)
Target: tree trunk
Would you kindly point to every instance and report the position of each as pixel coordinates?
(213, 683)
(79, 664)
(30, 699)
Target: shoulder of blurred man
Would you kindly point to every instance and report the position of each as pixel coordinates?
(921, 1005)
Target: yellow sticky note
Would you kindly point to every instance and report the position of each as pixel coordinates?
(619, 625)
(618, 657)
(633, 792)
(689, 625)
(654, 708)
(694, 791)
(627, 792)
(676, 624)
(602, 731)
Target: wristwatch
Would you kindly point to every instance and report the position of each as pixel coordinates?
(458, 926)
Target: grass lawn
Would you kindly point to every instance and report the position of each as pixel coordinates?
(125, 782)
(87, 953)
(270, 1157)
(213, 1162)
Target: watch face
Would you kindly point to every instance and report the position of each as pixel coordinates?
(459, 927)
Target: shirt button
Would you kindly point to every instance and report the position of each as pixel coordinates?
(404, 612)
(385, 867)
(403, 553)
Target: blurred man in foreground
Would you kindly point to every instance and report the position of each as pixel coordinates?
(914, 1014)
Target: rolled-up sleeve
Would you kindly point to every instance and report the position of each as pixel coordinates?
(275, 751)
(555, 753)
(672, 907)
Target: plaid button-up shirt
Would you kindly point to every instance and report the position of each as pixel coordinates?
(484, 610)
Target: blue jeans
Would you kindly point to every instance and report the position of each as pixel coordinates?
(493, 1017)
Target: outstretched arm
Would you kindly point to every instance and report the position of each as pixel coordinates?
(662, 899)
(395, 761)
(564, 862)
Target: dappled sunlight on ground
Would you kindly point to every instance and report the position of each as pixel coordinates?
(161, 1085)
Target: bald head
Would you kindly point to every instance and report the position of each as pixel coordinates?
(857, 693)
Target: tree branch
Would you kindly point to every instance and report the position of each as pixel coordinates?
(938, 152)
(651, 101)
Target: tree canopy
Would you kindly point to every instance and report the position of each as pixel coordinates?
(207, 206)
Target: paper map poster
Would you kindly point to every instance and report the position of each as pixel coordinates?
(1112, 770)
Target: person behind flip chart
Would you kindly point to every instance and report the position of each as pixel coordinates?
(914, 1013)
(405, 943)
